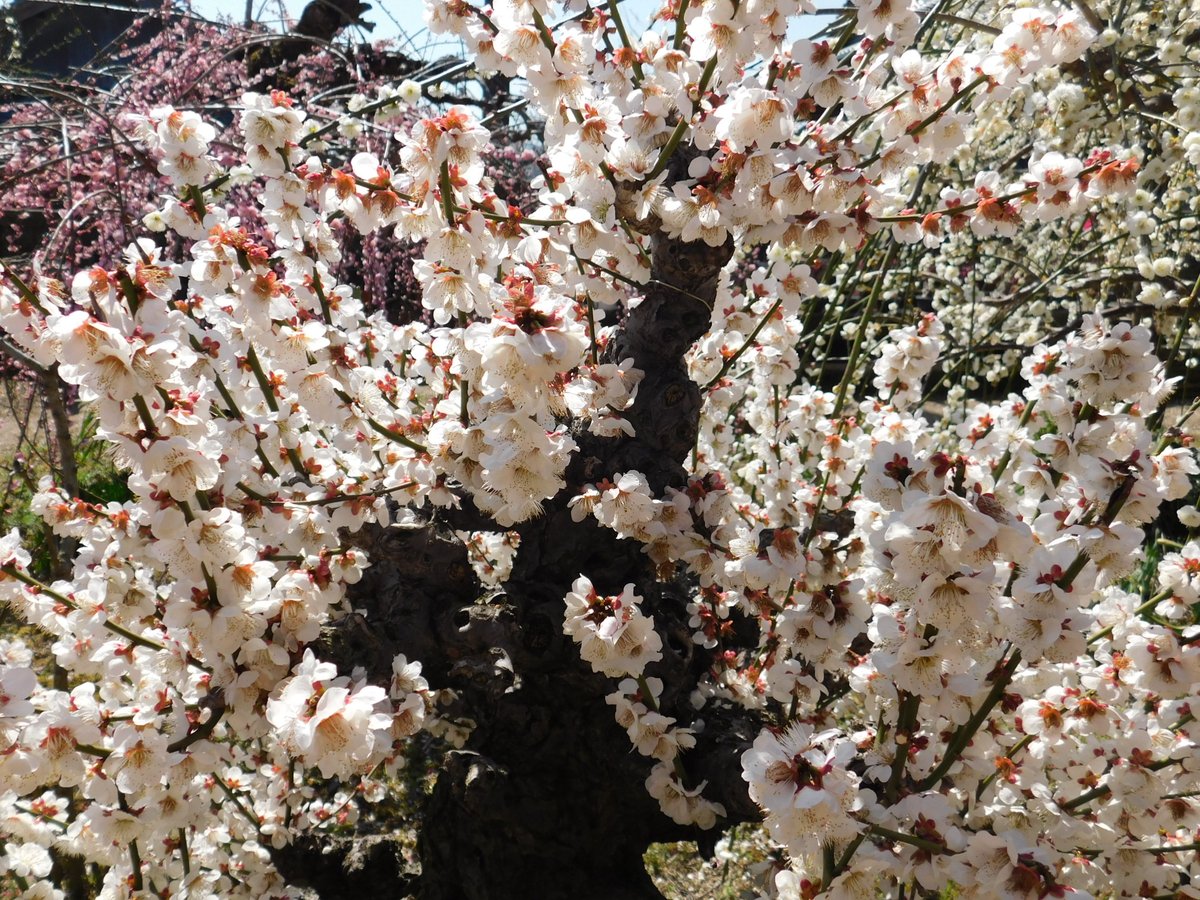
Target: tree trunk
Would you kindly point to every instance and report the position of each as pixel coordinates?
(548, 797)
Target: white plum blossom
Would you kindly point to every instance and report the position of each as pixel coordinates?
(612, 633)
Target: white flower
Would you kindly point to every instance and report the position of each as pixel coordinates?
(612, 633)
(1188, 516)
(684, 806)
(409, 91)
(28, 860)
(17, 683)
(800, 780)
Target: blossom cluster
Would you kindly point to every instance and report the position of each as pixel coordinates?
(988, 567)
(1140, 94)
(617, 639)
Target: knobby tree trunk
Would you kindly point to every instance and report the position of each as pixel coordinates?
(548, 797)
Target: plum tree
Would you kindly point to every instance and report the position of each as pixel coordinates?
(658, 516)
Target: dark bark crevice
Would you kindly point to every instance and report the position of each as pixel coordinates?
(346, 868)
